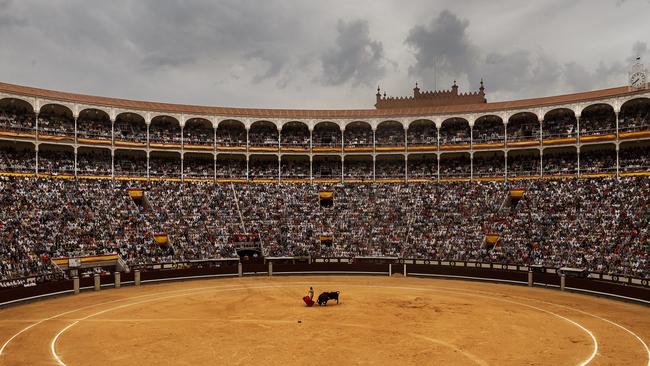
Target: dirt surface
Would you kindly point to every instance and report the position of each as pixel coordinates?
(380, 320)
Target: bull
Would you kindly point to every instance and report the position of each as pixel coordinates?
(324, 297)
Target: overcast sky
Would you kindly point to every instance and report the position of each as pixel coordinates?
(318, 54)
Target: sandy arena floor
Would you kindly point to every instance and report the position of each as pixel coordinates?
(380, 320)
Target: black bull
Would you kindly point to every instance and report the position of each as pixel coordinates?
(326, 296)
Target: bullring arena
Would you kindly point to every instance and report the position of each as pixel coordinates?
(457, 231)
(262, 320)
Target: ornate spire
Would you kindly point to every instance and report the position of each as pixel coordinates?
(482, 88)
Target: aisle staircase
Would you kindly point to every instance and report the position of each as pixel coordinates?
(508, 205)
(159, 234)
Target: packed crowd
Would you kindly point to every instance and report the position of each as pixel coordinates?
(598, 224)
(455, 132)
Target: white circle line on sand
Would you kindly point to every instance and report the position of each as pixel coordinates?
(8, 341)
(636, 336)
(584, 362)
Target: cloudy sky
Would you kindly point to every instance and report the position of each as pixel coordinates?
(318, 54)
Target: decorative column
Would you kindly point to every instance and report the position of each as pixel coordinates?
(311, 142)
(248, 143)
(374, 166)
(618, 166)
(471, 165)
(406, 139)
(148, 154)
(214, 167)
(406, 168)
(342, 168)
(112, 163)
(75, 128)
(279, 168)
(311, 169)
(76, 168)
(578, 159)
(247, 158)
(505, 162)
(36, 165)
(541, 163)
(438, 155)
(616, 113)
(182, 164)
(374, 141)
(578, 129)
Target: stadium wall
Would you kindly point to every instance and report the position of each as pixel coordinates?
(618, 288)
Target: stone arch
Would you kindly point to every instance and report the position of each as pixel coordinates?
(165, 164)
(165, 129)
(294, 166)
(390, 166)
(559, 123)
(422, 166)
(455, 131)
(327, 166)
(17, 156)
(598, 158)
(598, 119)
(231, 166)
(422, 132)
(131, 127)
(18, 115)
(489, 164)
(390, 133)
(523, 163)
(489, 129)
(358, 167)
(358, 134)
(94, 123)
(231, 132)
(94, 161)
(455, 165)
(326, 134)
(263, 134)
(263, 166)
(295, 133)
(198, 131)
(560, 161)
(634, 115)
(55, 159)
(634, 156)
(130, 163)
(56, 120)
(523, 126)
(198, 165)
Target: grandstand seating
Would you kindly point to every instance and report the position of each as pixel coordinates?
(598, 224)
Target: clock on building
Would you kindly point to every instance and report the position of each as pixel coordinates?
(638, 76)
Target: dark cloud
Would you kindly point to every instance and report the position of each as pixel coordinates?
(442, 47)
(355, 58)
(446, 45)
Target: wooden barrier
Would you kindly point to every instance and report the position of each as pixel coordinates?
(619, 288)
